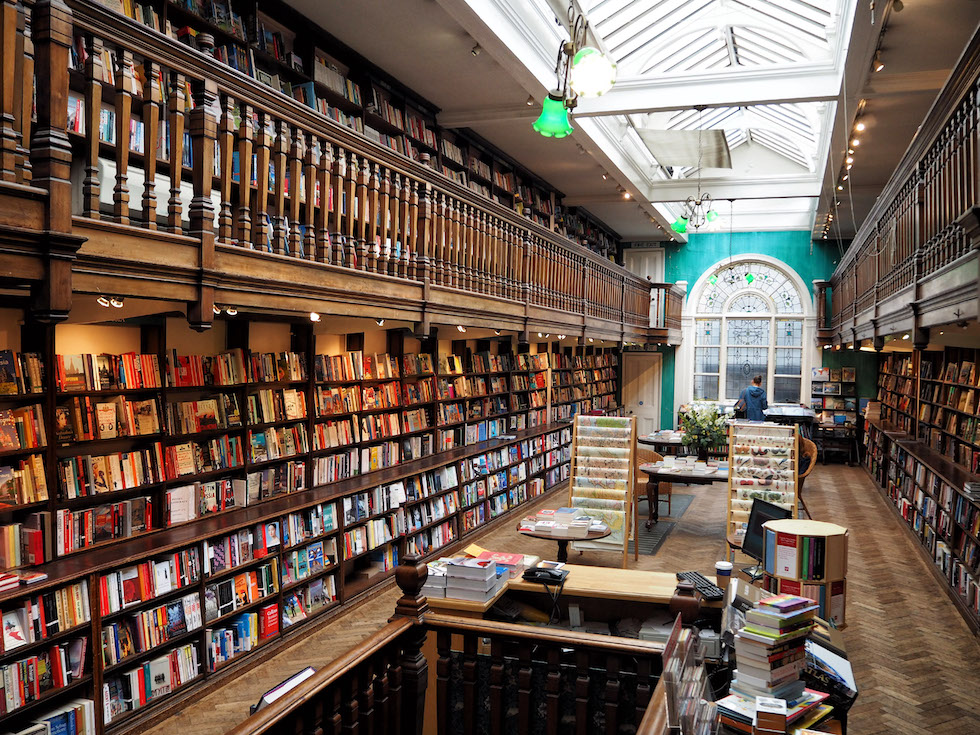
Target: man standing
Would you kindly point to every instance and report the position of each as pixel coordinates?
(754, 398)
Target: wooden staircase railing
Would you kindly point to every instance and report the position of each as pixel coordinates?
(491, 677)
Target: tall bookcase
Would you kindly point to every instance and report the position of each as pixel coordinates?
(268, 473)
(923, 453)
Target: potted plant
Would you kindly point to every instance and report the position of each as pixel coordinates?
(703, 428)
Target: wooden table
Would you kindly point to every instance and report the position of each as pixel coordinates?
(657, 473)
(563, 540)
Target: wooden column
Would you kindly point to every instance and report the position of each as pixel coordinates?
(204, 132)
(124, 115)
(23, 96)
(297, 152)
(9, 84)
(51, 154)
(152, 98)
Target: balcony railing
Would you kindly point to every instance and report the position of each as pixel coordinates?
(489, 677)
(916, 228)
(197, 149)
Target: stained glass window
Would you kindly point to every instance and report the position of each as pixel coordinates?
(749, 322)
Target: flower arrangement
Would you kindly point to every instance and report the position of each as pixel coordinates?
(703, 428)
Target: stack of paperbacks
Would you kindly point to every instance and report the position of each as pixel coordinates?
(465, 578)
(771, 652)
(601, 483)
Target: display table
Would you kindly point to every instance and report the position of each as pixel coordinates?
(657, 472)
(563, 540)
(837, 438)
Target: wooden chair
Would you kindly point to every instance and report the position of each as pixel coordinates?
(645, 455)
(807, 449)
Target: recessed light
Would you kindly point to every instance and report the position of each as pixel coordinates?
(941, 331)
(117, 301)
(591, 340)
(855, 143)
(497, 332)
(102, 301)
(849, 159)
(314, 317)
(840, 187)
(231, 310)
(216, 309)
(860, 127)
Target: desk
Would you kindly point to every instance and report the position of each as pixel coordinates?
(837, 438)
(670, 443)
(657, 473)
(563, 540)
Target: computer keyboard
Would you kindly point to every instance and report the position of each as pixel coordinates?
(708, 589)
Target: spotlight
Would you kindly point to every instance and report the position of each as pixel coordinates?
(497, 332)
(117, 301)
(540, 335)
(379, 322)
(605, 176)
(849, 160)
(529, 101)
(476, 50)
(547, 335)
(314, 317)
(860, 127)
(826, 347)
(591, 340)
(561, 336)
(850, 151)
(942, 331)
(877, 64)
(461, 328)
(905, 336)
(231, 310)
(626, 195)
(840, 187)
(216, 309)
(854, 144)
(849, 166)
(846, 177)
(102, 301)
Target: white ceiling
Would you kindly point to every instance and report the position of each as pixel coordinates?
(782, 78)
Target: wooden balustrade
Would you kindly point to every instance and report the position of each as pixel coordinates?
(490, 677)
(924, 221)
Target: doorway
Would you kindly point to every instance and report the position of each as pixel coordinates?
(641, 389)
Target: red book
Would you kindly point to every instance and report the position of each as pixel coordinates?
(268, 621)
(500, 557)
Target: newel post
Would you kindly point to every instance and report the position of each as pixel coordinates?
(203, 130)
(51, 156)
(410, 576)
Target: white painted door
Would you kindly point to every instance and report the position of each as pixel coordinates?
(641, 389)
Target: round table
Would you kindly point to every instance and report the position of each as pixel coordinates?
(563, 540)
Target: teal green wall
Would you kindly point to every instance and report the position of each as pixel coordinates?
(812, 260)
(865, 366)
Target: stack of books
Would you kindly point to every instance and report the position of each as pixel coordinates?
(562, 523)
(435, 582)
(771, 648)
(477, 580)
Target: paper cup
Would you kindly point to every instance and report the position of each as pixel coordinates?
(723, 573)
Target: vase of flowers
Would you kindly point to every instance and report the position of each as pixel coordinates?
(703, 428)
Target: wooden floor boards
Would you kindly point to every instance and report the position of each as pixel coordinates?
(917, 663)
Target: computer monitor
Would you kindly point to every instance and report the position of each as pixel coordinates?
(760, 513)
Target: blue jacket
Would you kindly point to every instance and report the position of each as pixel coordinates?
(755, 403)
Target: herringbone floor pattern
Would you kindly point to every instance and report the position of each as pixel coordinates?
(916, 662)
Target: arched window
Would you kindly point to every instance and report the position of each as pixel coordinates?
(748, 322)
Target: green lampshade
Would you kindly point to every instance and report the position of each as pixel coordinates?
(711, 216)
(680, 225)
(553, 121)
(592, 73)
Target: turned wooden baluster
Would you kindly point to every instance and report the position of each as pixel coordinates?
(497, 671)
(611, 703)
(582, 679)
(9, 138)
(470, 704)
(246, 131)
(226, 142)
(310, 221)
(552, 688)
(124, 115)
(394, 722)
(525, 695)
(438, 237)
(511, 251)
(443, 672)
(23, 97)
(455, 244)
(645, 681)
(338, 203)
(418, 229)
(373, 244)
(396, 226)
(350, 211)
(364, 224)
(478, 256)
(468, 241)
(381, 693)
(178, 102)
(261, 236)
(323, 173)
(365, 699)
(91, 189)
(297, 186)
(350, 709)
(279, 152)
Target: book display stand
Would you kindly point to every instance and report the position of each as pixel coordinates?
(763, 462)
(808, 559)
(603, 464)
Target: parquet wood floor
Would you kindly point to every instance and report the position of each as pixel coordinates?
(917, 663)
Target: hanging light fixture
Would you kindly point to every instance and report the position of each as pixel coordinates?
(580, 70)
(698, 209)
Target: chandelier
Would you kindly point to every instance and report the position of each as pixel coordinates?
(580, 70)
(698, 210)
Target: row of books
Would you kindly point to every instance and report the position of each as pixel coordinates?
(48, 614)
(142, 582)
(234, 593)
(21, 373)
(307, 561)
(267, 406)
(147, 629)
(355, 365)
(206, 414)
(80, 529)
(241, 634)
(23, 482)
(85, 419)
(240, 547)
(128, 371)
(28, 679)
(156, 678)
(308, 524)
(22, 428)
(278, 442)
(191, 458)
